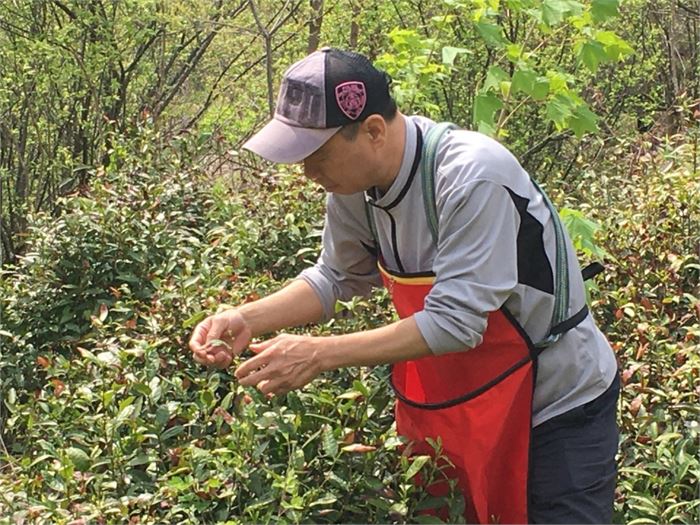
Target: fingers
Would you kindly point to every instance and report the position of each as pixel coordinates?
(259, 347)
(199, 336)
(216, 357)
(252, 371)
(270, 388)
(219, 337)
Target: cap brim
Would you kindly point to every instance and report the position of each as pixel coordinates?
(285, 144)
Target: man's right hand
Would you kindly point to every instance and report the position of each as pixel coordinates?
(220, 337)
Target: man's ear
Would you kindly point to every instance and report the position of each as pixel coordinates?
(376, 129)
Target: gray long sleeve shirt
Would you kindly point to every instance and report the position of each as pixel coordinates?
(495, 248)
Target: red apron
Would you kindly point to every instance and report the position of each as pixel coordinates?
(478, 402)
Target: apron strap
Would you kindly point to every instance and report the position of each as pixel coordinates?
(559, 323)
(428, 169)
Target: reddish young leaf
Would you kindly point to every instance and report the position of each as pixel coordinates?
(635, 405)
(253, 296)
(219, 411)
(642, 350)
(58, 386)
(174, 455)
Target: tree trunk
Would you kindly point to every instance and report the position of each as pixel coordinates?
(355, 26)
(315, 22)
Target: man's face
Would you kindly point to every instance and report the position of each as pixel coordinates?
(342, 166)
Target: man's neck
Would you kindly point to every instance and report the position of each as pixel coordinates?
(394, 153)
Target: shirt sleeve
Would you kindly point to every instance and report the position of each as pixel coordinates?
(347, 266)
(475, 265)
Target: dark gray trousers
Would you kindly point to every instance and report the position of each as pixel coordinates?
(572, 463)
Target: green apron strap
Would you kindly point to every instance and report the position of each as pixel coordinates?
(561, 279)
(428, 169)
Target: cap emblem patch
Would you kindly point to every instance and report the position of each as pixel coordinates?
(351, 98)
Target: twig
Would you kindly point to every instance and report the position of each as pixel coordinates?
(554, 137)
(268, 56)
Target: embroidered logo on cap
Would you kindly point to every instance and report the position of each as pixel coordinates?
(351, 98)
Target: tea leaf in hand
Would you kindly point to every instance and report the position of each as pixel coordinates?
(219, 342)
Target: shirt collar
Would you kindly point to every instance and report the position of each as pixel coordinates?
(408, 164)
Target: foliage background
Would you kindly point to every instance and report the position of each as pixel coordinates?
(129, 213)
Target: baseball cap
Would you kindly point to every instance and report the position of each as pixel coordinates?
(321, 93)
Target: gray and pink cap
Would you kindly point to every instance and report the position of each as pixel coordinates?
(321, 93)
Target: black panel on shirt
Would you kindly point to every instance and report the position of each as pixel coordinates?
(534, 269)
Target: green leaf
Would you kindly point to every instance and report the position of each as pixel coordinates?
(39, 459)
(196, 318)
(416, 465)
(172, 432)
(541, 89)
(494, 77)
(514, 52)
(615, 47)
(582, 231)
(554, 11)
(162, 415)
(591, 54)
(529, 82)
(485, 105)
(79, 458)
(601, 10)
(330, 444)
(450, 53)
(325, 500)
(583, 120)
(140, 459)
(492, 34)
(524, 81)
(558, 82)
(559, 109)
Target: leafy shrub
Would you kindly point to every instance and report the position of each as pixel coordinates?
(648, 303)
(109, 418)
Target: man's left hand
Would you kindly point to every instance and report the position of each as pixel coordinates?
(284, 363)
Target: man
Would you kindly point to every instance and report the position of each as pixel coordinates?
(463, 239)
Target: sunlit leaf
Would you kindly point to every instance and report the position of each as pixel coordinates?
(485, 105)
(554, 11)
(450, 53)
(417, 463)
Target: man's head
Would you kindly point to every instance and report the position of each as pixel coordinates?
(328, 91)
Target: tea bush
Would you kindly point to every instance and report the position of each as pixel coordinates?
(105, 415)
(648, 304)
